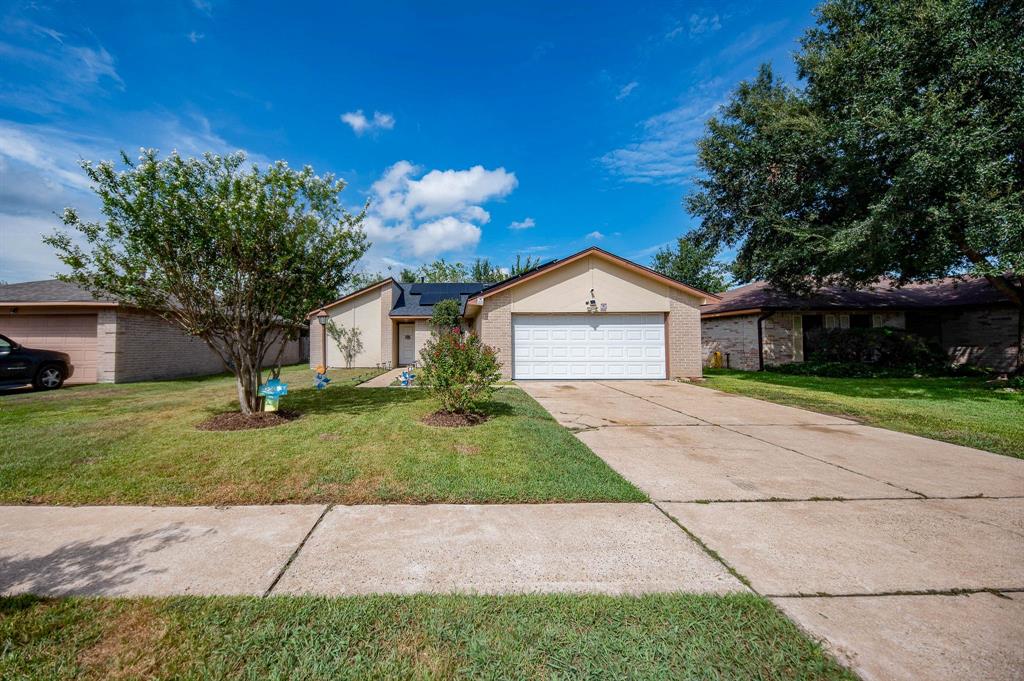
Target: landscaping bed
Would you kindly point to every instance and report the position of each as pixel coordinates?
(689, 636)
(970, 411)
(139, 444)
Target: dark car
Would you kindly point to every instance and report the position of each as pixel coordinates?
(44, 369)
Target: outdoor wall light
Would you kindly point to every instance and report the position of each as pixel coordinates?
(592, 303)
(321, 316)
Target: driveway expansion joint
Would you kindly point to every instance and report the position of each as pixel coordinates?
(966, 591)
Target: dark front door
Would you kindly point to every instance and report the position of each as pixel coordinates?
(813, 324)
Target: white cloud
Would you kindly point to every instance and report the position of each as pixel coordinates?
(360, 124)
(626, 90)
(414, 218)
(665, 150)
(695, 25)
(195, 37)
(594, 236)
(523, 224)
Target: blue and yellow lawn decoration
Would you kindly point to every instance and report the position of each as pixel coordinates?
(320, 380)
(272, 391)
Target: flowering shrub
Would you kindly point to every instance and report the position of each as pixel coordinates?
(459, 370)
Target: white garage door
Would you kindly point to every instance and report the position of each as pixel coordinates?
(73, 334)
(588, 346)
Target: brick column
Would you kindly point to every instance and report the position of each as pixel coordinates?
(106, 346)
(496, 328)
(683, 329)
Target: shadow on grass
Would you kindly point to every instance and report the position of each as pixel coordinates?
(347, 399)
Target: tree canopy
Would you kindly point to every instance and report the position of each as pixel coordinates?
(898, 155)
(693, 264)
(234, 255)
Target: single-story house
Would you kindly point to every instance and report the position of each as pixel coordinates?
(756, 325)
(108, 342)
(592, 315)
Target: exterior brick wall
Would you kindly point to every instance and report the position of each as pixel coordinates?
(147, 348)
(732, 336)
(987, 337)
(682, 326)
(777, 335)
(495, 324)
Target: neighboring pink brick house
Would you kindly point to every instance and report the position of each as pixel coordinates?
(107, 342)
(755, 325)
(592, 315)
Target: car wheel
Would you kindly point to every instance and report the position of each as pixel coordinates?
(49, 377)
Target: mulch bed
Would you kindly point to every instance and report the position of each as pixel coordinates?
(236, 420)
(447, 419)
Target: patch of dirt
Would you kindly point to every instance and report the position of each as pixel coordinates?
(447, 419)
(566, 387)
(468, 450)
(236, 420)
(129, 647)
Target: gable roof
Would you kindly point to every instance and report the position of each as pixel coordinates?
(947, 292)
(600, 252)
(349, 296)
(418, 299)
(49, 291)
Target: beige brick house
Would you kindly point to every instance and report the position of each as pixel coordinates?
(108, 342)
(591, 315)
(754, 326)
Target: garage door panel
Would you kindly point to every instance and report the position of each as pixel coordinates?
(627, 346)
(73, 334)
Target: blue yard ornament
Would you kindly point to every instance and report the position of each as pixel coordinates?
(407, 378)
(320, 379)
(273, 390)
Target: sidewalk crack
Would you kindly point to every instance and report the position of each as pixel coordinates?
(298, 549)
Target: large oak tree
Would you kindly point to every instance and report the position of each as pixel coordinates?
(235, 255)
(900, 154)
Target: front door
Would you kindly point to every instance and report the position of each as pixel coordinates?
(406, 344)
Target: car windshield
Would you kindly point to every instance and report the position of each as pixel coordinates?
(5, 344)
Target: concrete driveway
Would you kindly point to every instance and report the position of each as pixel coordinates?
(903, 554)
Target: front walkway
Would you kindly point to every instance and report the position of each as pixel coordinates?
(384, 380)
(905, 555)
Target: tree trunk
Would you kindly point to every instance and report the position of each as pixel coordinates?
(248, 383)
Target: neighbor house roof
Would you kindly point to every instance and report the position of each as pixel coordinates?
(601, 253)
(49, 292)
(418, 299)
(761, 296)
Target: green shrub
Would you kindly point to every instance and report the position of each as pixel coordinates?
(445, 315)
(459, 370)
(881, 347)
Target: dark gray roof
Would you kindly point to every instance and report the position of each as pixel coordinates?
(47, 291)
(883, 295)
(418, 299)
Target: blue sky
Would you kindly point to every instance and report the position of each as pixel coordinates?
(475, 128)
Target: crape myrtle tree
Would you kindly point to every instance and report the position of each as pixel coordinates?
(900, 154)
(236, 255)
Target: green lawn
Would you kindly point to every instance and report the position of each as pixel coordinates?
(965, 411)
(681, 636)
(137, 444)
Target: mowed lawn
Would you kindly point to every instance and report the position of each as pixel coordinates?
(138, 444)
(682, 636)
(964, 411)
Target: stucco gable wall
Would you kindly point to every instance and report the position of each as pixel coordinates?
(566, 288)
(364, 312)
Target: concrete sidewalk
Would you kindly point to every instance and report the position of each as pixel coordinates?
(384, 380)
(136, 551)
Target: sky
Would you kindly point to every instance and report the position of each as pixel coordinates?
(475, 129)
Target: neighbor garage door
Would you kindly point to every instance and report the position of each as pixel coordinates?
(74, 334)
(588, 346)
